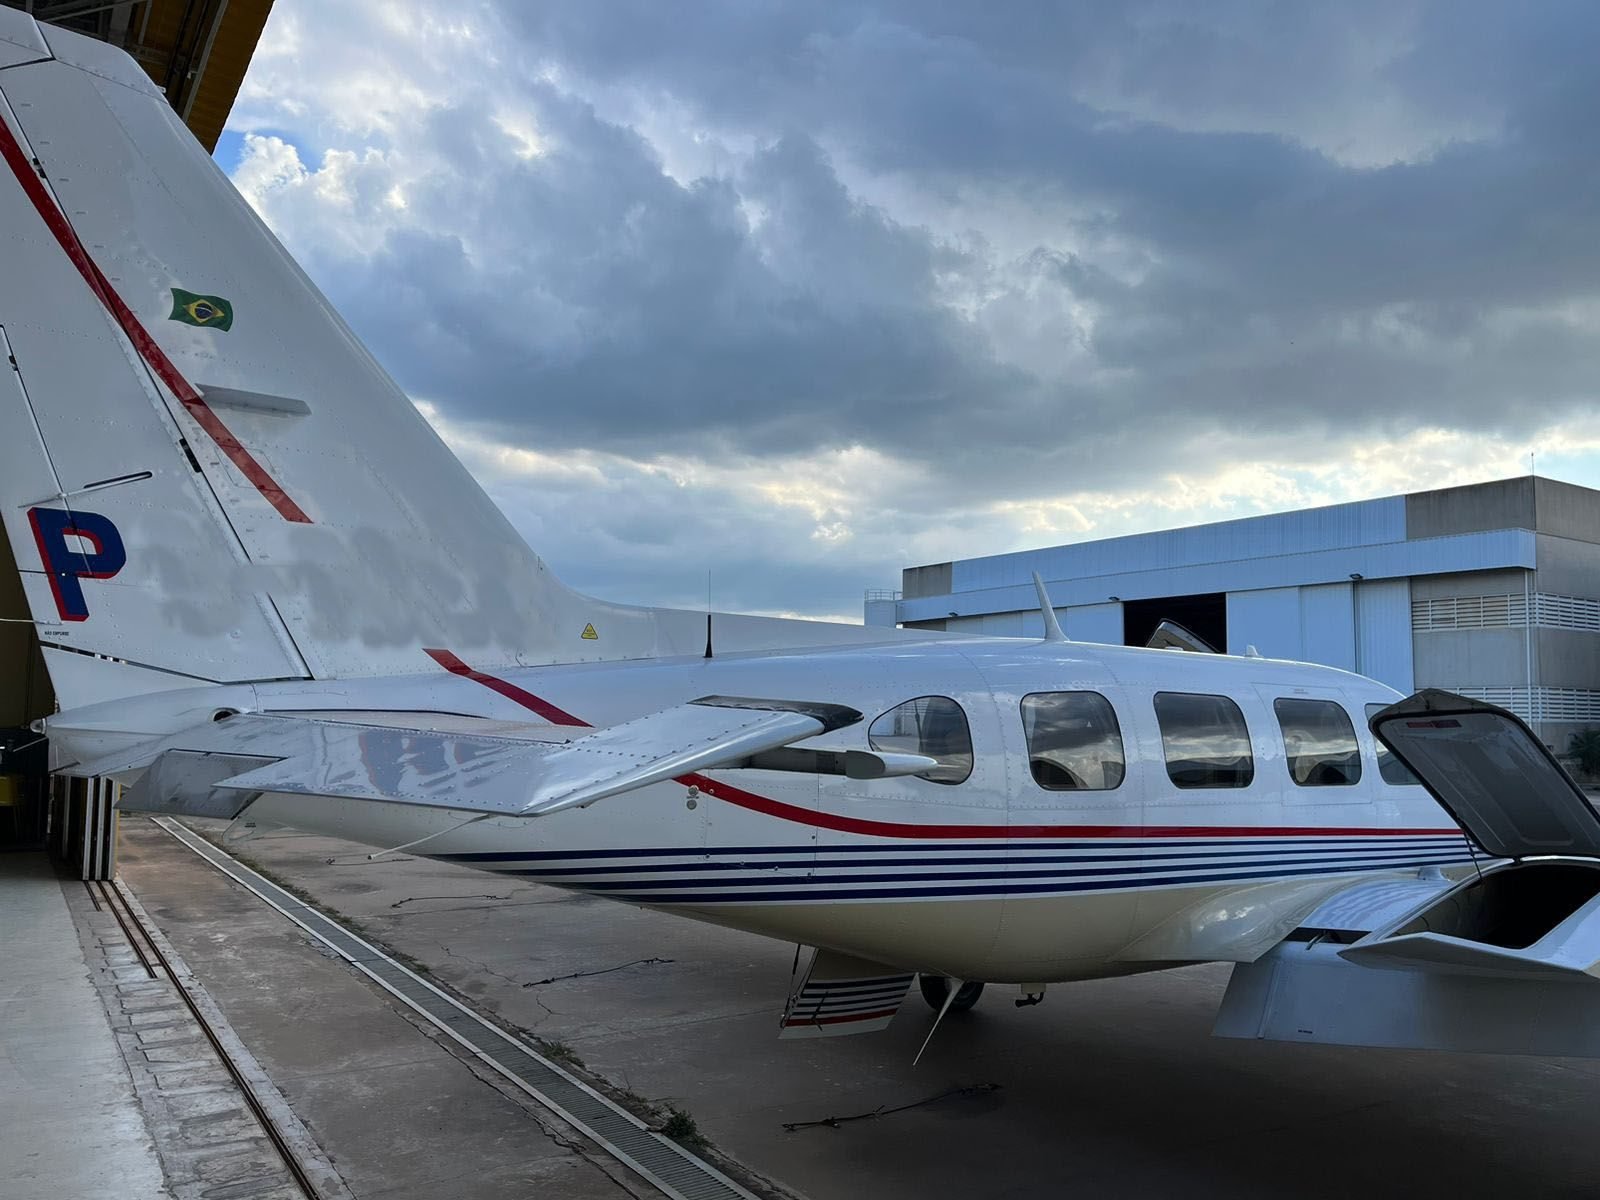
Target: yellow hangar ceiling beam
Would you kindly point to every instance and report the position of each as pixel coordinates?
(197, 50)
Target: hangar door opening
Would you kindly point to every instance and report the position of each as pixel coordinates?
(1205, 615)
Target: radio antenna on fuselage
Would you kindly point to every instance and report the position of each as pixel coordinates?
(1052, 627)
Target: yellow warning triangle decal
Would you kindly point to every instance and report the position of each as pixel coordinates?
(589, 635)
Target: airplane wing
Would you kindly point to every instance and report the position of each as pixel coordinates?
(218, 768)
(1504, 961)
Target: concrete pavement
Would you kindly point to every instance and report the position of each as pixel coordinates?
(1108, 1088)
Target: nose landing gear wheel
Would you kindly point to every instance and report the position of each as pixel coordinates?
(936, 987)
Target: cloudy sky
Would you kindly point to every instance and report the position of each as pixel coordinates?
(789, 295)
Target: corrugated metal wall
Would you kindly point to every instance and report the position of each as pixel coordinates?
(1383, 622)
(1363, 626)
(1328, 624)
(1093, 623)
(1339, 526)
(1269, 620)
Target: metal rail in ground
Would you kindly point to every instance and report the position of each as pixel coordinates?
(663, 1163)
(158, 960)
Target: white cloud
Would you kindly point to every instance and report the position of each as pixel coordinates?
(799, 295)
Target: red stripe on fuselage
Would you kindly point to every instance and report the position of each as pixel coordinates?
(740, 798)
(193, 403)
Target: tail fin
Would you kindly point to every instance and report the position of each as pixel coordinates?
(203, 474)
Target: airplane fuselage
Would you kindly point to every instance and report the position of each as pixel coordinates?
(1040, 863)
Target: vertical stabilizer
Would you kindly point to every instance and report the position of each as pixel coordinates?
(203, 473)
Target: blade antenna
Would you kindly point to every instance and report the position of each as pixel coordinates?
(1052, 627)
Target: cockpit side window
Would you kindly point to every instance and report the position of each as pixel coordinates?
(935, 726)
(1074, 742)
(1206, 741)
(1391, 768)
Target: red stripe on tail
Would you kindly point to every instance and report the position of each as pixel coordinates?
(194, 404)
(510, 691)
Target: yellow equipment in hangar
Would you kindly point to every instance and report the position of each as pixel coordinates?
(197, 52)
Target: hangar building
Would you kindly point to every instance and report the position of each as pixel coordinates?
(1490, 590)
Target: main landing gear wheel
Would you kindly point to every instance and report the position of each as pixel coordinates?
(936, 987)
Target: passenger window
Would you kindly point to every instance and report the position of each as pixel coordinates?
(1319, 743)
(1389, 767)
(932, 725)
(1074, 742)
(1206, 741)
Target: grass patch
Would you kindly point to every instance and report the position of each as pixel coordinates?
(560, 1052)
(682, 1128)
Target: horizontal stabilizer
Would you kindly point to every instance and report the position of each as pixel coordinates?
(528, 775)
(184, 783)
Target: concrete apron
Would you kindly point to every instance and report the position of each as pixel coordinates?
(1109, 1087)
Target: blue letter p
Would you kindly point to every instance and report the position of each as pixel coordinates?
(66, 565)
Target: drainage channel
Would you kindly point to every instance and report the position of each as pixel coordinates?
(657, 1159)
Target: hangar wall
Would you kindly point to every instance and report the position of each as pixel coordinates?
(1492, 590)
(1358, 626)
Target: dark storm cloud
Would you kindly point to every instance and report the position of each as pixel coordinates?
(1217, 259)
(586, 298)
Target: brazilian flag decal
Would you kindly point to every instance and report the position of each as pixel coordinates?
(212, 312)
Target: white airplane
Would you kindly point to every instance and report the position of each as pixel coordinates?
(266, 591)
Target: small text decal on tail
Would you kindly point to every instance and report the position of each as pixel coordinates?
(67, 564)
